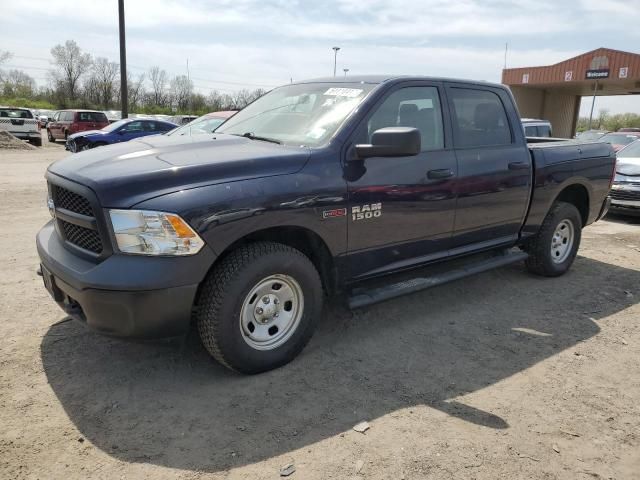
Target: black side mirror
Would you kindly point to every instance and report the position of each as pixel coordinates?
(391, 142)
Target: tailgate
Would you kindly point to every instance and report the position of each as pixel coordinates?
(19, 124)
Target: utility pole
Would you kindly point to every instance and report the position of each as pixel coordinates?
(506, 49)
(335, 59)
(124, 101)
(593, 102)
(345, 70)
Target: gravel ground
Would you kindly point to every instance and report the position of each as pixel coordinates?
(502, 375)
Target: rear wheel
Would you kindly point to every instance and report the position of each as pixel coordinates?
(37, 142)
(258, 309)
(554, 248)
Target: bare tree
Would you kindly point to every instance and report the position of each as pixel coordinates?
(181, 88)
(4, 56)
(105, 74)
(70, 64)
(136, 91)
(16, 83)
(159, 81)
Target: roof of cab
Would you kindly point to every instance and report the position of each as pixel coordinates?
(378, 79)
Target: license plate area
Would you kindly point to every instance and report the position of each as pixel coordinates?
(50, 284)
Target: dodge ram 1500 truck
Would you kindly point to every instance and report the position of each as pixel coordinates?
(317, 188)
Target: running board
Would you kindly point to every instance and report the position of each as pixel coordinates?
(362, 297)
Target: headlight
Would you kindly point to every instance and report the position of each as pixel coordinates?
(144, 232)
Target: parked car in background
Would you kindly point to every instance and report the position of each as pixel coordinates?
(68, 122)
(534, 127)
(629, 129)
(619, 140)
(181, 119)
(20, 123)
(625, 191)
(205, 124)
(44, 116)
(591, 135)
(120, 131)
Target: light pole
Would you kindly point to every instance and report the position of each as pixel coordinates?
(345, 70)
(335, 59)
(124, 101)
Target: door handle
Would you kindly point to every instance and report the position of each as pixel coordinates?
(440, 173)
(519, 166)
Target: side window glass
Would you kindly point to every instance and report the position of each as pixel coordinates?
(149, 126)
(133, 127)
(479, 119)
(417, 107)
(530, 131)
(544, 131)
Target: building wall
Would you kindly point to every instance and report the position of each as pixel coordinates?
(530, 101)
(561, 110)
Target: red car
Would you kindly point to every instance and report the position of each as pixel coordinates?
(619, 140)
(68, 122)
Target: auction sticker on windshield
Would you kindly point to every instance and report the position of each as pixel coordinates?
(344, 92)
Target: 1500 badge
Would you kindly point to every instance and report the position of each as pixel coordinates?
(364, 212)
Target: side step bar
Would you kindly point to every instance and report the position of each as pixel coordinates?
(362, 297)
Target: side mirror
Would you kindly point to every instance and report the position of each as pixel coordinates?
(391, 142)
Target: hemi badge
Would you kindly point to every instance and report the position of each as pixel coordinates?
(338, 212)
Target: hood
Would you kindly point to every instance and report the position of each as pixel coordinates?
(127, 173)
(86, 133)
(628, 166)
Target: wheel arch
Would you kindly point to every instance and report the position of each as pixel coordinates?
(577, 195)
(303, 239)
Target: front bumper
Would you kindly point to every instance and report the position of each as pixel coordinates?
(124, 295)
(625, 197)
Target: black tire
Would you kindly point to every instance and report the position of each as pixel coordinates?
(228, 285)
(541, 259)
(50, 137)
(37, 142)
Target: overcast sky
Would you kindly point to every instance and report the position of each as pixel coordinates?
(232, 44)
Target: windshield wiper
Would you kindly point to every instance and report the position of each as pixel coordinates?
(251, 136)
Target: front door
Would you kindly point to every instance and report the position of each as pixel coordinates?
(494, 167)
(401, 210)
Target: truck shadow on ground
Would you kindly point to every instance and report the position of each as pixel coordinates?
(168, 403)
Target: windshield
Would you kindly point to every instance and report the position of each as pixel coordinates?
(15, 113)
(115, 125)
(618, 139)
(306, 114)
(632, 151)
(200, 125)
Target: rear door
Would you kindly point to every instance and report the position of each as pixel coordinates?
(401, 209)
(494, 166)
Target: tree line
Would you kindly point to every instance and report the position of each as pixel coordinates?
(79, 80)
(611, 123)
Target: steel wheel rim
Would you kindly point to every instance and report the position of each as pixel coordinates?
(562, 241)
(271, 312)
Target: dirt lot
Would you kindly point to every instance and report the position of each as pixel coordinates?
(503, 375)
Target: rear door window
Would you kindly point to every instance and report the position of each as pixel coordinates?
(544, 131)
(479, 118)
(96, 117)
(530, 131)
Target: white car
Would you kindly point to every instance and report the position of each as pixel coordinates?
(20, 123)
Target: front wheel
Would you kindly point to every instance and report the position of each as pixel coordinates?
(50, 136)
(258, 309)
(554, 247)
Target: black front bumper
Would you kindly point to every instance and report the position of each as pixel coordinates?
(124, 295)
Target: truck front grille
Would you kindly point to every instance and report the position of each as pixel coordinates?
(63, 198)
(625, 195)
(77, 219)
(82, 237)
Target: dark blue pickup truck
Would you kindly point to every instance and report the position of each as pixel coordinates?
(319, 188)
